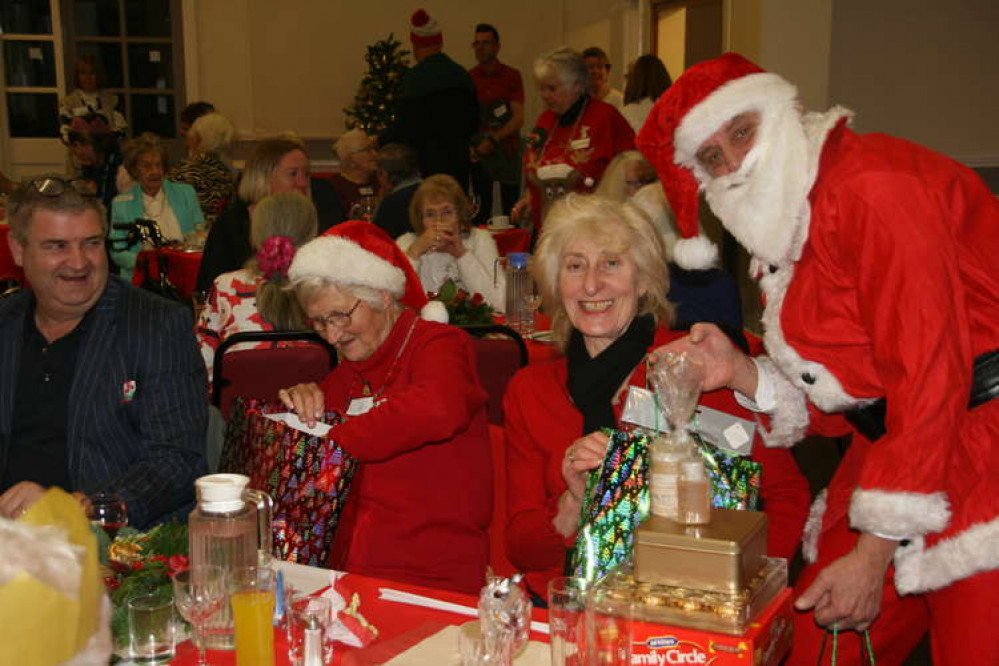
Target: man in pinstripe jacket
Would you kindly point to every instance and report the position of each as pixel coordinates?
(101, 384)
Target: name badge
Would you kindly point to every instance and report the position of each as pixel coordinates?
(729, 433)
(360, 406)
(580, 144)
(500, 111)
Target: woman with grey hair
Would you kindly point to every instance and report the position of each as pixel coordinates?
(358, 175)
(573, 141)
(278, 164)
(173, 206)
(415, 414)
(206, 167)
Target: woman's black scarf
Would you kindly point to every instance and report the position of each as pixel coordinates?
(593, 382)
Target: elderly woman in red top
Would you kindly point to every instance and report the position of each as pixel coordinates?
(601, 267)
(415, 414)
(574, 140)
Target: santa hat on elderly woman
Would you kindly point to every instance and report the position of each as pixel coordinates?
(697, 105)
(424, 30)
(361, 254)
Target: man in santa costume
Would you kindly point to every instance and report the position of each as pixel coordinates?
(877, 261)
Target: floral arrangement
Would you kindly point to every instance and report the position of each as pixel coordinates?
(463, 309)
(142, 563)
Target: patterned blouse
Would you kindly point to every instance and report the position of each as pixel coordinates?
(210, 177)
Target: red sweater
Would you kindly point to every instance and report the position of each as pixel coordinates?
(420, 507)
(541, 423)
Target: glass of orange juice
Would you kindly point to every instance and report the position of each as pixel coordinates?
(252, 603)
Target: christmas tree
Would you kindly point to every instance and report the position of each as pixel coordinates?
(375, 103)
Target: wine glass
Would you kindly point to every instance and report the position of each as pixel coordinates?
(474, 204)
(199, 593)
(109, 511)
(532, 300)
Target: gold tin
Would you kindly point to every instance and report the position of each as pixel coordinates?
(722, 556)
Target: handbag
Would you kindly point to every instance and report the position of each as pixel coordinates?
(308, 477)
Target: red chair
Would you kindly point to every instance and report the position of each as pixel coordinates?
(499, 353)
(514, 240)
(8, 269)
(260, 373)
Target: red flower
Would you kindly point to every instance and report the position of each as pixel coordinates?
(477, 299)
(460, 296)
(177, 563)
(138, 566)
(112, 583)
(158, 558)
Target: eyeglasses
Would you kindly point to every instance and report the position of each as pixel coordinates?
(432, 214)
(337, 319)
(53, 186)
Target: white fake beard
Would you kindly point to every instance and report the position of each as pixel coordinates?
(764, 203)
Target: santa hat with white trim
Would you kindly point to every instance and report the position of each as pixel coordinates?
(697, 105)
(359, 253)
(424, 30)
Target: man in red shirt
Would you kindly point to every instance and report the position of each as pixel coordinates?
(496, 147)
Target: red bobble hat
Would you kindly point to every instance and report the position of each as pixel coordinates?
(697, 105)
(361, 254)
(424, 30)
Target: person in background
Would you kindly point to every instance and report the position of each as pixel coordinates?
(88, 99)
(598, 69)
(96, 154)
(626, 174)
(601, 270)
(496, 147)
(278, 164)
(173, 206)
(647, 80)
(444, 244)
(102, 388)
(398, 178)
(418, 414)
(7, 186)
(358, 175)
(876, 258)
(255, 297)
(207, 167)
(192, 112)
(573, 141)
(437, 114)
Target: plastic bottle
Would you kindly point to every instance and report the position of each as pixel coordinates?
(694, 493)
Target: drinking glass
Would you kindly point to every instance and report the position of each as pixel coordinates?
(567, 620)
(252, 600)
(199, 593)
(310, 642)
(479, 650)
(109, 511)
(150, 628)
(609, 617)
(532, 299)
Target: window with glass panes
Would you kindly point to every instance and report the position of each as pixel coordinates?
(137, 44)
(30, 76)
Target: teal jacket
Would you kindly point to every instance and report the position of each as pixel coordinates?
(127, 207)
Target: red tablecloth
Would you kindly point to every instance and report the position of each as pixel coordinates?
(400, 626)
(512, 240)
(182, 268)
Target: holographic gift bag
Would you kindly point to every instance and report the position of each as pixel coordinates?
(308, 477)
(735, 479)
(616, 501)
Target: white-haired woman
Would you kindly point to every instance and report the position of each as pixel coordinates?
(415, 414)
(173, 206)
(256, 298)
(574, 140)
(358, 175)
(206, 167)
(601, 268)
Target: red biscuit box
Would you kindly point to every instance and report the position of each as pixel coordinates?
(767, 641)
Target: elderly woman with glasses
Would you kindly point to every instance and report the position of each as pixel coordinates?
(357, 179)
(601, 268)
(574, 140)
(173, 206)
(445, 245)
(415, 414)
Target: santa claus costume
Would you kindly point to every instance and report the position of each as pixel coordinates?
(877, 261)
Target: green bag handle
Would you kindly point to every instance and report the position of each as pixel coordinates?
(866, 643)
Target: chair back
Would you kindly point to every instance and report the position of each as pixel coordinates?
(8, 269)
(260, 373)
(499, 353)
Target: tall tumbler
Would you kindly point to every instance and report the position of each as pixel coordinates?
(567, 620)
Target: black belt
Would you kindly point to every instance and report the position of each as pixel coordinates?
(870, 420)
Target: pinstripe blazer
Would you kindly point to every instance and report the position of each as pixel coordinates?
(137, 408)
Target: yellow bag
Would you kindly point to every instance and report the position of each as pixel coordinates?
(50, 588)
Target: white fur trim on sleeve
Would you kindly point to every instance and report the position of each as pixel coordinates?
(755, 92)
(813, 527)
(898, 515)
(790, 419)
(918, 569)
(695, 254)
(434, 311)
